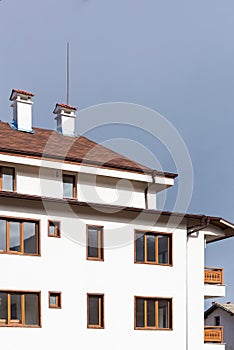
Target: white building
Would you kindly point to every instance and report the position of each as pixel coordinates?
(86, 258)
(222, 315)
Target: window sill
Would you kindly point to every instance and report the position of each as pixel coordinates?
(151, 263)
(18, 326)
(94, 327)
(19, 253)
(152, 329)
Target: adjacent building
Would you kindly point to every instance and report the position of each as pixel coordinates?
(221, 315)
(87, 259)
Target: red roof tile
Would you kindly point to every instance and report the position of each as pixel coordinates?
(65, 106)
(22, 92)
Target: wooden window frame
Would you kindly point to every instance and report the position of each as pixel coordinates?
(156, 299)
(74, 185)
(21, 221)
(56, 225)
(101, 304)
(14, 177)
(17, 324)
(58, 296)
(100, 230)
(156, 234)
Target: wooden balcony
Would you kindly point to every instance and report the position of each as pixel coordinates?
(213, 276)
(213, 334)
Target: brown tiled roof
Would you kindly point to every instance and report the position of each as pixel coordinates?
(44, 143)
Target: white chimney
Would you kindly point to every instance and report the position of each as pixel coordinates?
(22, 110)
(65, 119)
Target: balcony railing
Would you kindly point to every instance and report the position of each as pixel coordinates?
(213, 334)
(213, 276)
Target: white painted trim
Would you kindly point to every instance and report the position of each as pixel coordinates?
(159, 180)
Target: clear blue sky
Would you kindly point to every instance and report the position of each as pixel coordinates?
(176, 57)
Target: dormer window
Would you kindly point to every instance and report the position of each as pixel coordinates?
(69, 186)
(7, 179)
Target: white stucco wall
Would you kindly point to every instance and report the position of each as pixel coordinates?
(195, 300)
(63, 267)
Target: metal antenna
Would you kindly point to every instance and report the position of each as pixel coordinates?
(68, 72)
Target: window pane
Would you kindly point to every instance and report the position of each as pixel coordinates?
(7, 179)
(30, 241)
(68, 186)
(14, 236)
(16, 308)
(52, 229)
(163, 249)
(163, 321)
(3, 308)
(140, 247)
(140, 312)
(150, 247)
(150, 313)
(53, 300)
(93, 242)
(31, 309)
(3, 235)
(93, 312)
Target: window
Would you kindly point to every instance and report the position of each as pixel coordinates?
(19, 309)
(7, 179)
(55, 300)
(153, 248)
(19, 236)
(153, 313)
(217, 320)
(95, 243)
(95, 310)
(54, 229)
(69, 186)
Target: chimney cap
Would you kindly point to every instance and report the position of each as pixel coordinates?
(60, 106)
(20, 92)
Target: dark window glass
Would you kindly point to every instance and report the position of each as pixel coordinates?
(140, 247)
(3, 308)
(16, 312)
(151, 313)
(163, 250)
(68, 186)
(94, 310)
(30, 241)
(14, 236)
(163, 314)
(3, 235)
(151, 256)
(7, 179)
(140, 312)
(31, 309)
(93, 242)
(217, 320)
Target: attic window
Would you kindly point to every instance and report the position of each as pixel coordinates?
(69, 186)
(7, 179)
